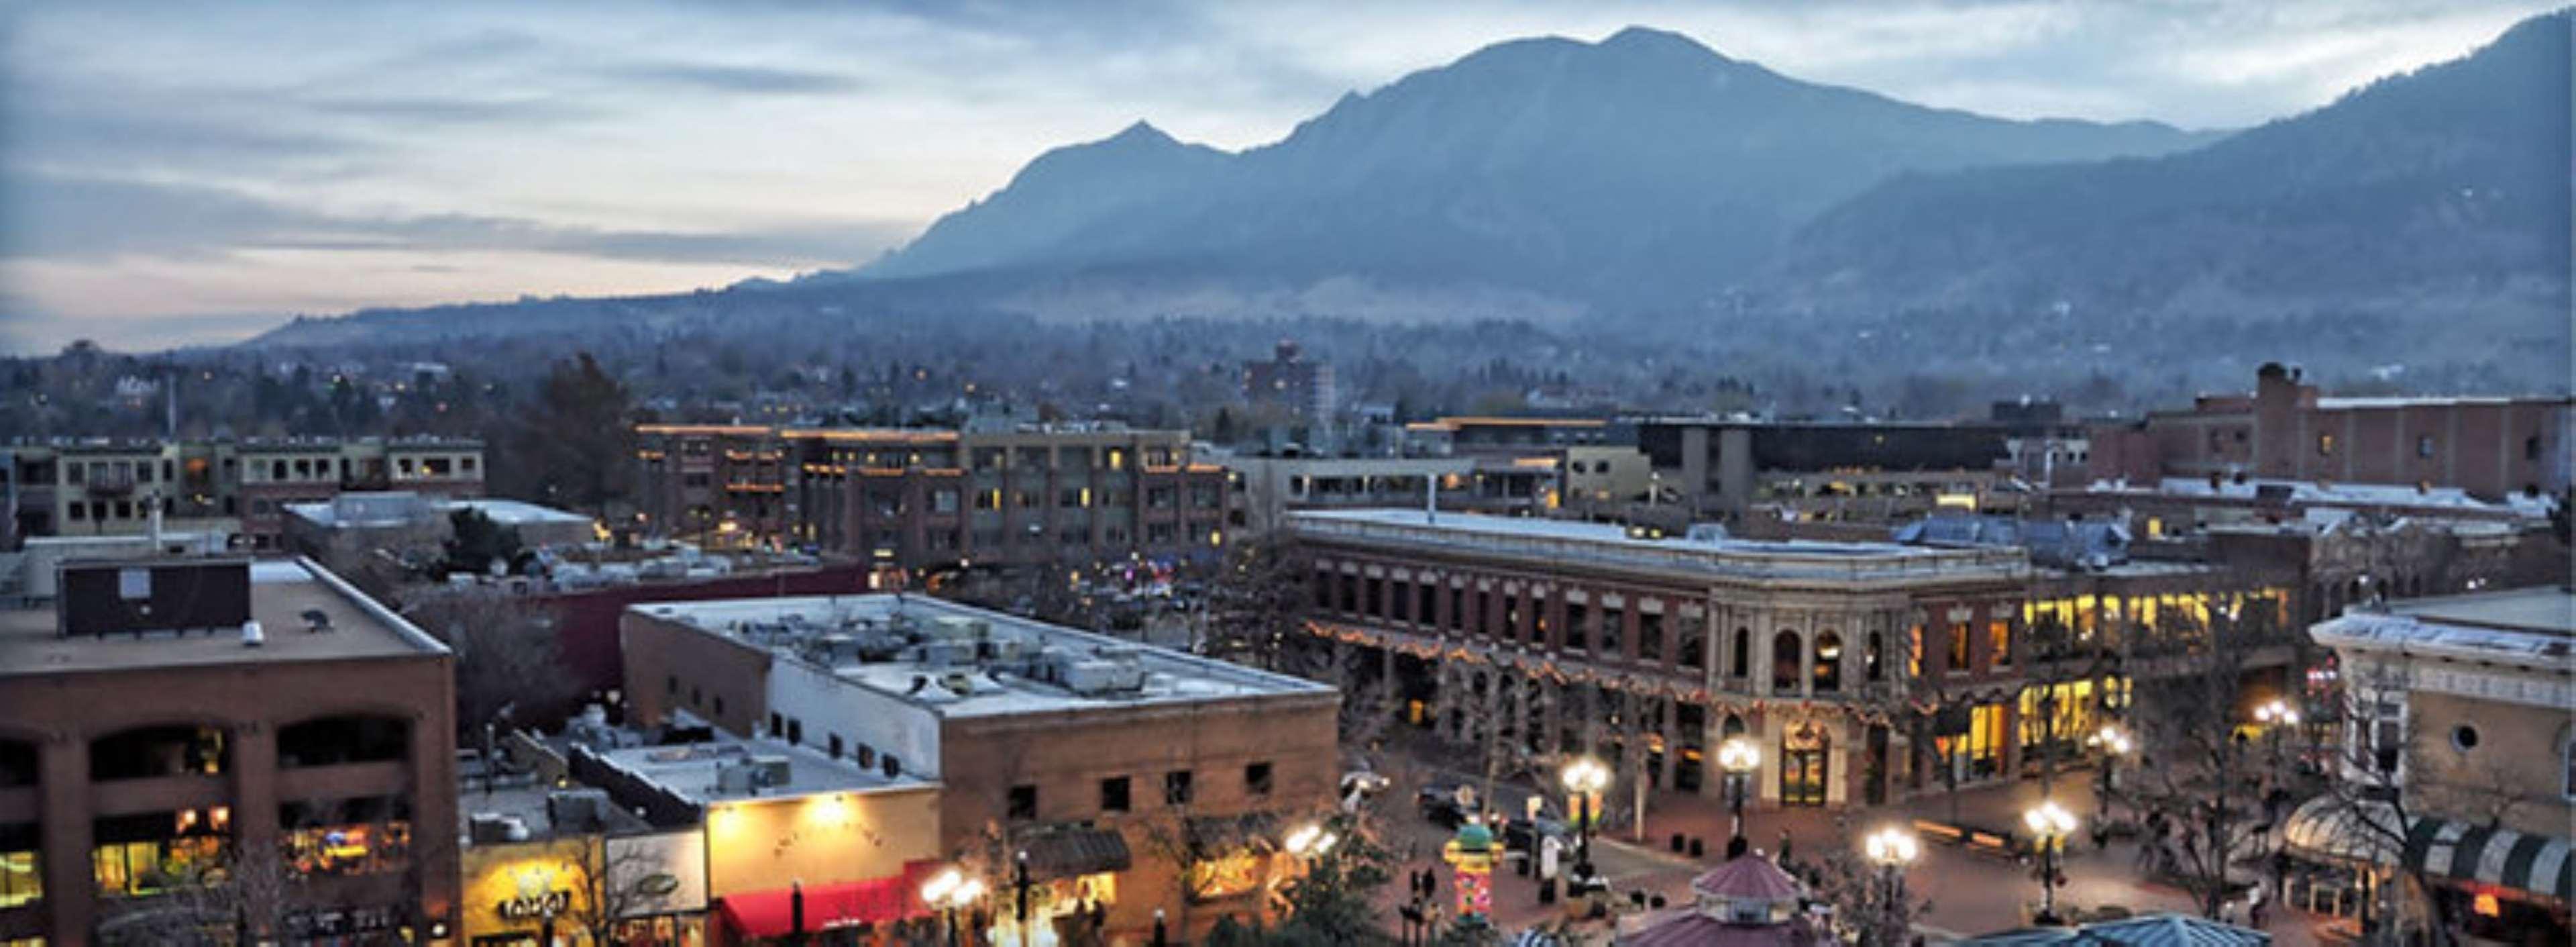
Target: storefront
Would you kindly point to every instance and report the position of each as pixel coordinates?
(841, 914)
(645, 890)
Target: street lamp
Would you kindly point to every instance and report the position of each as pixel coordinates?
(2049, 823)
(1739, 756)
(1585, 778)
(1310, 840)
(950, 891)
(2114, 743)
(1892, 850)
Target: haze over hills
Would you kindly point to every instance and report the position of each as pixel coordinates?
(2442, 193)
(1641, 169)
(1652, 182)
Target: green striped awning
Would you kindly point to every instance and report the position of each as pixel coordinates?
(2536, 864)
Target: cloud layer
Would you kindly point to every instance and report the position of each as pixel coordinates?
(161, 161)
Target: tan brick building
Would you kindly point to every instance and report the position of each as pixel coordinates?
(143, 744)
(1103, 760)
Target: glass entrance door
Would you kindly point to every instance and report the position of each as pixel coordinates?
(1802, 766)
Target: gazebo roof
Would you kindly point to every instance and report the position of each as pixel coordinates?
(1688, 928)
(1747, 878)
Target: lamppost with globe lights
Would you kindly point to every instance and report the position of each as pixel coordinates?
(1739, 757)
(2114, 743)
(1892, 850)
(2276, 715)
(2049, 824)
(948, 892)
(1585, 778)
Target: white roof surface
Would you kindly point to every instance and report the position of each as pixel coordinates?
(1173, 676)
(690, 770)
(1545, 539)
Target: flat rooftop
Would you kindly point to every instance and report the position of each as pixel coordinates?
(688, 771)
(2530, 628)
(821, 630)
(1530, 537)
(281, 591)
(2546, 610)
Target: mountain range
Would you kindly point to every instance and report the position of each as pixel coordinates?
(1650, 178)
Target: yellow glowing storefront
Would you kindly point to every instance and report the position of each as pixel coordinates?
(551, 893)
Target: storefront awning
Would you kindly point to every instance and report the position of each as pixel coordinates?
(873, 901)
(1074, 852)
(2534, 864)
(2330, 829)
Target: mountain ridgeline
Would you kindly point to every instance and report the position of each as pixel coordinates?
(1648, 180)
(1641, 169)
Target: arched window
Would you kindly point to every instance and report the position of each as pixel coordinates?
(1742, 664)
(1734, 727)
(169, 750)
(1787, 656)
(350, 738)
(1829, 661)
(1870, 660)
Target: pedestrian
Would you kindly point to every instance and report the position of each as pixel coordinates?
(1784, 846)
(2254, 903)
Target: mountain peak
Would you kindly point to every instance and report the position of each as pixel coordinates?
(1644, 39)
(1142, 131)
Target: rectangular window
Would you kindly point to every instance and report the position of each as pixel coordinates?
(1423, 603)
(1113, 794)
(1457, 609)
(1176, 788)
(1613, 627)
(836, 746)
(2424, 446)
(2325, 445)
(1958, 648)
(1999, 638)
(1650, 636)
(1256, 779)
(1577, 630)
(1023, 805)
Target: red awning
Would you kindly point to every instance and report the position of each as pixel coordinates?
(874, 901)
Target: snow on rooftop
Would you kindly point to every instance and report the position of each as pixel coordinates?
(1748, 558)
(2528, 627)
(2345, 494)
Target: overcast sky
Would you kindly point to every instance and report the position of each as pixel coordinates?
(183, 173)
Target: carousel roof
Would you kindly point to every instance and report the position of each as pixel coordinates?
(1689, 928)
(1747, 878)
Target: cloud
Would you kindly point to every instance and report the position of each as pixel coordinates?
(735, 80)
(101, 219)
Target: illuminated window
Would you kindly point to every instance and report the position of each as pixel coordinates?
(153, 852)
(1828, 672)
(1999, 640)
(348, 837)
(1958, 648)
(22, 877)
(2325, 445)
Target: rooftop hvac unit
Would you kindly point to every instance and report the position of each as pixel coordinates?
(959, 628)
(959, 683)
(577, 808)
(1096, 676)
(771, 771)
(948, 653)
(492, 828)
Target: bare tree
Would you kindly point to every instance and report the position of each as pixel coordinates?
(245, 895)
(1257, 605)
(509, 668)
(2196, 770)
(1867, 900)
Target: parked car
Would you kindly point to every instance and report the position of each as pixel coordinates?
(1363, 782)
(1521, 834)
(1444, 803)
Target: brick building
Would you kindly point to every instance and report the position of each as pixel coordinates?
(144, 741)
(2490, 447)
(1537, 639)
(1085, 752)
(241, 487)
(1023, 495)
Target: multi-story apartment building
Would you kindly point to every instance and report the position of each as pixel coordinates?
(2491, 447)
(1290, 380)
(153, 746)
(104, 487)
(1535, 638)
(1878, 472)
(1266, 489)
(1025, 495)
(2456, 722)
(1078, 750)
